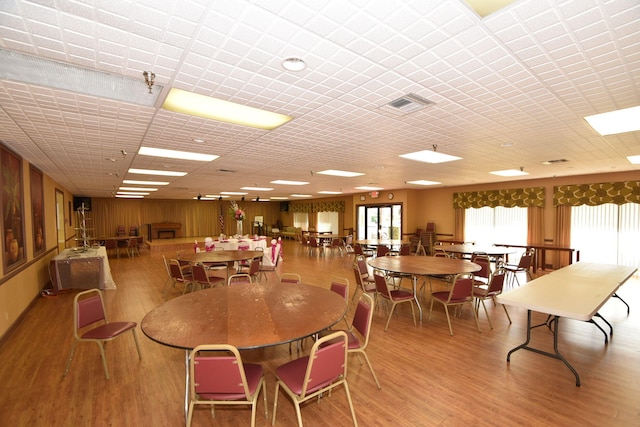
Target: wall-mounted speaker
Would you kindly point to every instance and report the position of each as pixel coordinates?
(79, 200)
(284, 206)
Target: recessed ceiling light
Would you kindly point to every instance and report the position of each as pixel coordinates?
(137, 189)
(430, 156)
(487, 7)
(294, 64)
(132, 193)
(134, 182)
(126, 196)
(256, 188)
(198, 140)
(181, 101)
(345, 174)
(507, 144)
(285, 182)
(156, 172)
(175, 154)
(215, 196)
(619, 121)
(634, 159)
(329, 192)
(301, 195)
(510, 172)
(423, 182)
(278, 198)
(367, 188)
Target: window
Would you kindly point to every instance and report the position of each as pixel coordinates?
(301, 219)
(607, 233)
(486, 226)
(328, 221)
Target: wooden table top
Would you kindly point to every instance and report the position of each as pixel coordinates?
(576, 291)
(220, 256)
(423, 265)
(245, 315)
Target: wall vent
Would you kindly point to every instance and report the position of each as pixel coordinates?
(406, 104)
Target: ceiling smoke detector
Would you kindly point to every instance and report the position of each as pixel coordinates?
(406, 104)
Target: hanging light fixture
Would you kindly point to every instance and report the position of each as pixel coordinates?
(149, 78)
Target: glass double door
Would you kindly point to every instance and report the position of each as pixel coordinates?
(380, 222)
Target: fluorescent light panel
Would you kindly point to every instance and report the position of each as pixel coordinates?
(423, 182)
(345, 174)
(430, 156)
(124, 196)
(256, 188)
(329, 192)
(181, 101)
(175, 154)
(366, 188)
(216, 196)
(134, 182)
(619, 121)
(58, 75)
(301, 195)
(156, 172)
(635, 160)
(509, 172)
(234, 193)
(285, 182)
(487, 7)
(132, 193)
(137, 189)
(278, 198)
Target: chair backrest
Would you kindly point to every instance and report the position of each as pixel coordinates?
(88, 309)
(362, 266)
(485, 266)
(199, 273)
(381, 284)
(526, 260)
(120, 230)
(405, 250)
(254, 267)
(240, 278)
(290, 278)
(462, 288)
(441, 254)
(110, 244)
(176, 270)
(382, 250)
(326, 364)
(340, 286)
(358, 276)
(133, 242)
(496, 284)
(357, 249)
(220, 374)
(313, 242)
(363, 318)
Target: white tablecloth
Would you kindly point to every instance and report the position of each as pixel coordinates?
(246, 244)
(76, 269)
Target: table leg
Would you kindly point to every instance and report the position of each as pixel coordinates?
(186, 385)
(556, 355)
(415, 295)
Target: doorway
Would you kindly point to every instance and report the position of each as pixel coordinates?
(60, 235)
(380, 222)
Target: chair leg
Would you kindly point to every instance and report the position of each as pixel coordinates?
(353, 413)
(135, 338)
(446, 310)
(485, 312)
(73, 349)
(475, 316)
(366, 358)
(104, 359)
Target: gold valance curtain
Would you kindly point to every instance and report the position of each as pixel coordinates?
(508, 198)
(617, 193)
(311, 207)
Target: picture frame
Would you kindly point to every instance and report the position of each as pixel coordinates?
(37, 209)
(13, 242)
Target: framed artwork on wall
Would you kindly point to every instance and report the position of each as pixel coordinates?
(37, 209)
(12, 210)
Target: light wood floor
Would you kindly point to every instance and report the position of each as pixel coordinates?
(428, 378)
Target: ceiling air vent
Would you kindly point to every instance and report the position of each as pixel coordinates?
(406, 104)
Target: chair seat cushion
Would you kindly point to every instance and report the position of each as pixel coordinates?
(354, 341)
(400, 295)
(109, 330)
(292, 373)
(444, 296)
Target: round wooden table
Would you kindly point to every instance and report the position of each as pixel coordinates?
(220, 257)
(245, 315)
(416, 266)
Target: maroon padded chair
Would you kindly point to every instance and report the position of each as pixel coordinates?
(217, 376)
(201, 276)
(461, 293)
(363, 282)
(316, 374)
(394, 297)
(88, 311)
(482, 292)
